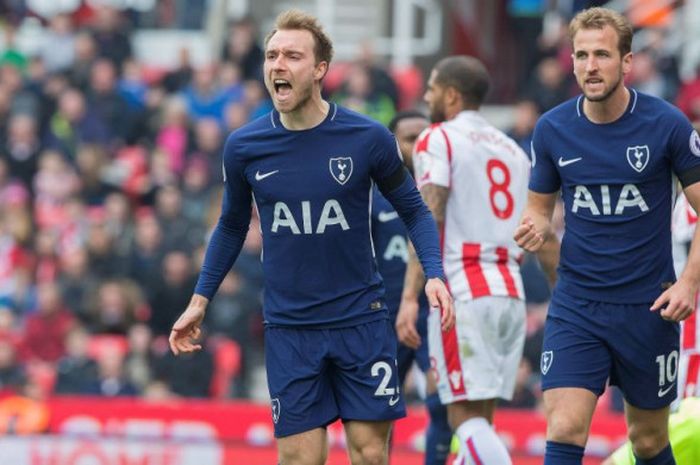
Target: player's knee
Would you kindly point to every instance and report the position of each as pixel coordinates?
(566, 429)
(302, 456)
(370, 454)
(648, 440)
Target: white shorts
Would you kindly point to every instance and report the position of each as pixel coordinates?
(478, 359)
(689, 374)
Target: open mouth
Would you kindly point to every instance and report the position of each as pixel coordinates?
(282, 87)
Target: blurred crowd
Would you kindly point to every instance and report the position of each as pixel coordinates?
(110, 182)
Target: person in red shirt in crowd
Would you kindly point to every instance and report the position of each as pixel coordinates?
(46, 328)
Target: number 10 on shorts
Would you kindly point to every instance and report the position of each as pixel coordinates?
(668, 368)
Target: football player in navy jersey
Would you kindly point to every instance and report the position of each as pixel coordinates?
(612, 153)
(391, 243)
(310, 167)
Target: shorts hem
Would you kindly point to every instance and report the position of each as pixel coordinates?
(303, 429)
(597, 391)
(392, 416)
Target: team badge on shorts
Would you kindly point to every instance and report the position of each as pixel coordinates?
(276, 409)
(638, 157)
(546, 361)
(341, 169)
(695, 143)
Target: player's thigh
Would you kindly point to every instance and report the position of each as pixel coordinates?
(307, 448)
(647, 429)
(301, 393)
(645, 356)
(478, 358)
(574, 351)
(364, 374)
(569, 411)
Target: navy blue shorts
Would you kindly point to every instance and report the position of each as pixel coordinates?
(587, 342)
(316, 376)
(406, 356)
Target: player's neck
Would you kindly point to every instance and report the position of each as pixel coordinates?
(310, 115)
(608, 110)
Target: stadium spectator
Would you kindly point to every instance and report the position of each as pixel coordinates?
(118, 305)
(77, 282)
(359, 93)
(54, 182)
(549, 86)
(645, 76)
(172, 292)
(197, 191)
(173, 136)
(57, 51)
(242, 48)
(12, 373)
(138, 362)
(74, 124)
(111, 36)
(92, 163)
(207, 144)
(525, 116)
(147, 252)
(688, 99)
(22, 147)
(86, 55)
(204, 96)
(182, 234)
(111, 380)
(46, 328)
(76, 370)
(188, 376)
(108, 104)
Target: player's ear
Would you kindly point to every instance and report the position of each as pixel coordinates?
(453, 95)
(627, 63)
(320, 70)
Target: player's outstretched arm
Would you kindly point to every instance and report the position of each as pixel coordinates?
(536, 224)
(187, 329)
(678, 301)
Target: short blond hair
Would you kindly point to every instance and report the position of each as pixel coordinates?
(300, 20)
(598, 18)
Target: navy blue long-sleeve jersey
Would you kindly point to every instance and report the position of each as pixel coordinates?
(313, 192)
(618, 185)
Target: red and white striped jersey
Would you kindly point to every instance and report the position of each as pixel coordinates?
(683, 227)
(487, 175)
(684, 221)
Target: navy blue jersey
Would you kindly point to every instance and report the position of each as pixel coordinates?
(617, 182)
(312, 189)
(391, 245)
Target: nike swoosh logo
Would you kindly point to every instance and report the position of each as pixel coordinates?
(260, 177)
(393, 401)
(563, 162)
(662, 392)
(387, 216)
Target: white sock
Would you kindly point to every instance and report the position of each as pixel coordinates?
(480, 445)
